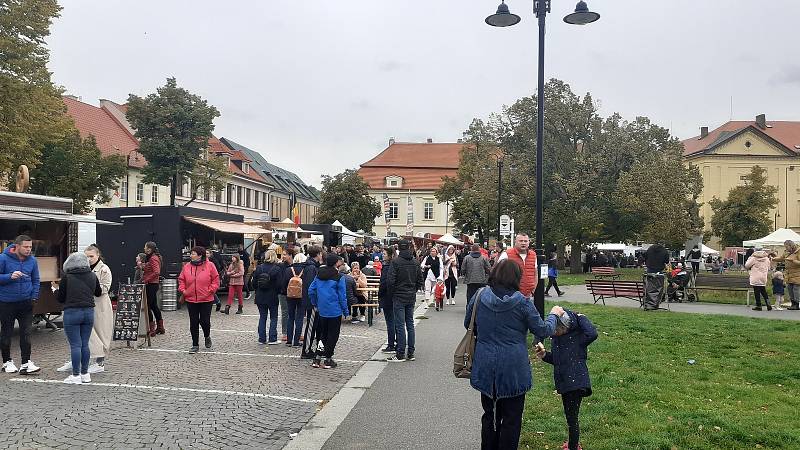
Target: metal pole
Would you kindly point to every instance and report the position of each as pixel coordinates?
(541, 9)
(499, 190)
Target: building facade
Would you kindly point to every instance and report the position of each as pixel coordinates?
(728, 153)
(410, 170)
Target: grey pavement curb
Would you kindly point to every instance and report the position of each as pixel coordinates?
(325, 422)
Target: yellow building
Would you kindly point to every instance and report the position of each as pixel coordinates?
(729, 152)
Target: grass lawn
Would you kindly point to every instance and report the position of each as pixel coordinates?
(743, 391)
(731, 297)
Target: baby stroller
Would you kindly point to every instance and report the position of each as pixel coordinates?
(677, 285)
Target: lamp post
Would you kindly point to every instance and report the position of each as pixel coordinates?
(499, 192)
(504, 18)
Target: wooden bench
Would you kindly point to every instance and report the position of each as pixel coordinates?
(605, 272)
(600, 289)
(733, 283)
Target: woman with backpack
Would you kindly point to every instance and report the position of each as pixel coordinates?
(267, 282)
(293, 277)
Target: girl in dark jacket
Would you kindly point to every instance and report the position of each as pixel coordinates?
(570, 373)
(267, 296)
(77, 290)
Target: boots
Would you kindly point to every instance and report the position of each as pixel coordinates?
(219, 305)
(227, 309)
(160, 329)
(239, 311)
(795, 306)
(152, 331)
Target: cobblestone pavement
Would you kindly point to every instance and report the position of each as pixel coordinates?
(237, 395)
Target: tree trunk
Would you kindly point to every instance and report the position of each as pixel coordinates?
(561, 248)
(575, 261)
(173, 188)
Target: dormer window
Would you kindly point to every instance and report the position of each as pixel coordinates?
(394, 181)
(245, 167)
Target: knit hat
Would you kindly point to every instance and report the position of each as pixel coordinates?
(565, 319)
(331, 259)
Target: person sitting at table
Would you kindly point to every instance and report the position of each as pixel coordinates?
(361, 282)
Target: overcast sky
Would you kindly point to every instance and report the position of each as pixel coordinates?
(320, 86)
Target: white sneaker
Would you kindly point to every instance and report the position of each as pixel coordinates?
(67, 367)
(29, 368)
(96, 368)
(86, 378)
(73, 379)
(9, 367)
(362, 318)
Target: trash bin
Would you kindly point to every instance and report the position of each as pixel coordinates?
(169, 294)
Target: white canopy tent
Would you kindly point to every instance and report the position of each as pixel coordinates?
(774, 239)
(348, 236)
(705, 250)
(449, 239)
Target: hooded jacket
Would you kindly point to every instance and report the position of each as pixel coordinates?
(758, 264)
(198, 283)
(475, 269)
(500, 366)
(568, 356)
(269, 296)
(310, 270)
(792, 271)
(79, 285)
(405, 278)
(24, 288)
(328, 293)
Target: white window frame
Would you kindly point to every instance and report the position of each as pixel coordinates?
(140, 192)
(154, 194)
(426, 210)
(394, 210)
(123, 190)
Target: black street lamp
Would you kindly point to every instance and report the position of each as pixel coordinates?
(504, 18)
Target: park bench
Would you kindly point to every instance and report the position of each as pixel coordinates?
(605, 272)
(600, 289)
(732, 283)
(371, 303)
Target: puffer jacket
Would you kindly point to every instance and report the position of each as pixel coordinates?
(198, 282)
(758, 264)
(500, 367)
(152, 269)
(24, 288)
(791, 274)
(568, 356)
(78, 287)
(475, 269)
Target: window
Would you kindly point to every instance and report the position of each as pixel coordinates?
(154, 195)
(239, 195)
(428, 210)
(206, 194)
(124, 191)
(219, 196)
(230, 194)
(256, 198)
(245, 167)
(265, 201)
(247, 197)
(394, 181)
(394, 210)
(139, 192)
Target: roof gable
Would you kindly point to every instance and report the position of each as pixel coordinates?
(112, 138)
(781, 134)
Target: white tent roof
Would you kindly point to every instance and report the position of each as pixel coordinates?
(706, 250)
(774, 239)
(449, 239)
(346, 230)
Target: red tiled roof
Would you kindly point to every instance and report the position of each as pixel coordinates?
(787, 133)
(413, 177)
(112, 138)
(423, 155)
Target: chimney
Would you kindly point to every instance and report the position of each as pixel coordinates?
(703, 132)
(430, 140)
(460, 141)
(391, 140)
(73, 97)
(761, 121)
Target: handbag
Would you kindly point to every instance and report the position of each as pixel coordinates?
(462, 358)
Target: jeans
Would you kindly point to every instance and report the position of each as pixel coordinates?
(472, 288)
(403, 311)
(388, 316)
(572, 408)
(329, 328)
(21, 312)
(284, 313)
(78, 323)
(265, 310)
(501, 422)
(294, 325)
(199, 314)
(152, 301)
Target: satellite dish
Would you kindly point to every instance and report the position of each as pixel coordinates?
(23, 178)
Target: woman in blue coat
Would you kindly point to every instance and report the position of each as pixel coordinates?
(570, 373)
(500, 368)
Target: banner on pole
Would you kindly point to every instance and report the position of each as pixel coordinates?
(409, 216)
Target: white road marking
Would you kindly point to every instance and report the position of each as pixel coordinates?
(264, 355)
(255, 332)
(176, 389)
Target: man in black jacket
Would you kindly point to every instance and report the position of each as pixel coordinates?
(405, 279)
(385, 294)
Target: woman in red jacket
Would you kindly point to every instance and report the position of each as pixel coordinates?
(198, 282)
(151, 278)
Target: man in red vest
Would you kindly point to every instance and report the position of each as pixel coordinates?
(527, 262)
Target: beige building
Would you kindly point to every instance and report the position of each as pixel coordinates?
(726, 154)
(415, 170)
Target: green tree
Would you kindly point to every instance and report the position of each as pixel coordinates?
(210, 174)
(74, 168)
(744, 214)
(345, 197)
(173, 127)
(31, 109)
